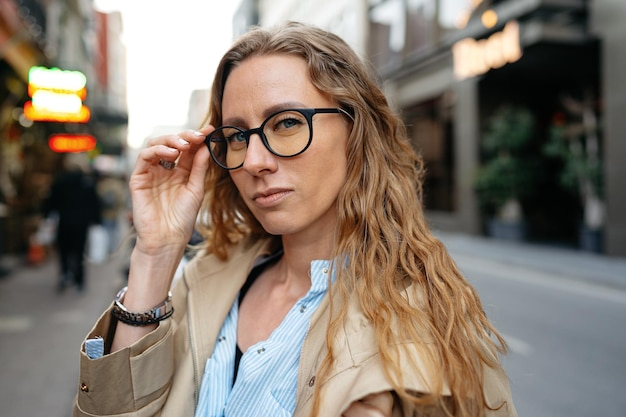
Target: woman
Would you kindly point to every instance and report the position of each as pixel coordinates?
(319, 289)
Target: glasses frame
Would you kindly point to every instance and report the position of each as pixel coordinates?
(308, 113)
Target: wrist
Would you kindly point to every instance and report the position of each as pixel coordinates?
(152, 316)
(150, 279)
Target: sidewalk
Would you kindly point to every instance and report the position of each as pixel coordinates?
(41, 331)
(565, 263)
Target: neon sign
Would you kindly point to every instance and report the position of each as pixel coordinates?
(43, 115)
(68, 142)
(57, 96)
(472, 57)
(56, 79)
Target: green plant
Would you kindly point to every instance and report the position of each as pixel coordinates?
(508, 170)
(580, 166)
(577, 145)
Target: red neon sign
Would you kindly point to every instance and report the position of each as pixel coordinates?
(69, 142)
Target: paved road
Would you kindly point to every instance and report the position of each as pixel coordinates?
(567, 339)
(563, 314)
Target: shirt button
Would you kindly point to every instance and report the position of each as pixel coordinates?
(325, 270)
(312, 381)
(302, 309)
(84, 387)
(260, 350)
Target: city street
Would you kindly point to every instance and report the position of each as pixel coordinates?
(561, 311)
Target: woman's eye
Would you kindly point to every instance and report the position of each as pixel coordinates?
(236, 137)
(287, 123)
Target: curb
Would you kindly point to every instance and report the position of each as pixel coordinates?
(565, 263)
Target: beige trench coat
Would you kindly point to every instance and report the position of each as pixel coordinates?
(160, 374)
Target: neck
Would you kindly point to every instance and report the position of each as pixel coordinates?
(294, 267)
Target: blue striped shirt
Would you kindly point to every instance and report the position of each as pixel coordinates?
(267, 378)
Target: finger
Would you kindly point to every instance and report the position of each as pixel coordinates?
(358, 409)
(199, 169)
(165, 151)
(381, 400)
(167, 164)
(188, 142)
(197, 136)
(151, 155)
(374, 405)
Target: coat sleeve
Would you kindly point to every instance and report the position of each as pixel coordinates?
(133, 381)
(368, 377)
(358, 371)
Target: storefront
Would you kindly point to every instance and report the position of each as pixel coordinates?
(28, 159)
(24, 158)
(451, 84)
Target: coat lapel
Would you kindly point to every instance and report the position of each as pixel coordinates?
(213, 286)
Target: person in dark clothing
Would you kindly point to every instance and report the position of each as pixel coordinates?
(74, 199)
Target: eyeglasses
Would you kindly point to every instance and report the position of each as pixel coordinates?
(285, 133)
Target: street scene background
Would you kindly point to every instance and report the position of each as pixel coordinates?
(561, 311)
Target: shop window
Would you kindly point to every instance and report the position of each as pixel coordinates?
(400, 29)
(429, 126)
(387, 32)
(456, 14)
(421, 24)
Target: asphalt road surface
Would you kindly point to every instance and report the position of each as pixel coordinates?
(567, 339)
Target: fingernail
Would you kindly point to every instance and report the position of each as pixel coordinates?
(196, 133)
(182, 141)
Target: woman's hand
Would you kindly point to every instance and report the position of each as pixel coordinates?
(166, 201)
(374, 405)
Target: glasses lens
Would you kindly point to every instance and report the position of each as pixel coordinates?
(228, 146)
(287, 133)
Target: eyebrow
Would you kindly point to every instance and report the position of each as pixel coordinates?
(239, 122)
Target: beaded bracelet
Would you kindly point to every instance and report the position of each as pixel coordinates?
(154, 315)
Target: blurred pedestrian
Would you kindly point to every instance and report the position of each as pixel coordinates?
(112, 193)
(74, 200)
(319, 289)
(6, 194)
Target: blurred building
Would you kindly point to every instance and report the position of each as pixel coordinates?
(71, 36)
(448, 66)
(198, 108)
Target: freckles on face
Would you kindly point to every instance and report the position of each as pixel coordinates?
(286, 195)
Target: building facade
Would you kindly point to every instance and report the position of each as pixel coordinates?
(70, 36)
(450, 67)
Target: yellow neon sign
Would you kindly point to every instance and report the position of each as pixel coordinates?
(44, 115)
(57, 96)
(32, 89)
(56, 79)
(472, 57)
(44, 100)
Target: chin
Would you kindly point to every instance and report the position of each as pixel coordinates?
(278, 231)
(278, 227)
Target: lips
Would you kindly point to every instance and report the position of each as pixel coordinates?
(270, 197)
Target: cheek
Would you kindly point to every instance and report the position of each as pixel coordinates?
(332, 170)
(238, 179)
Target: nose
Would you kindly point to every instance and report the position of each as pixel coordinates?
(258, 158)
